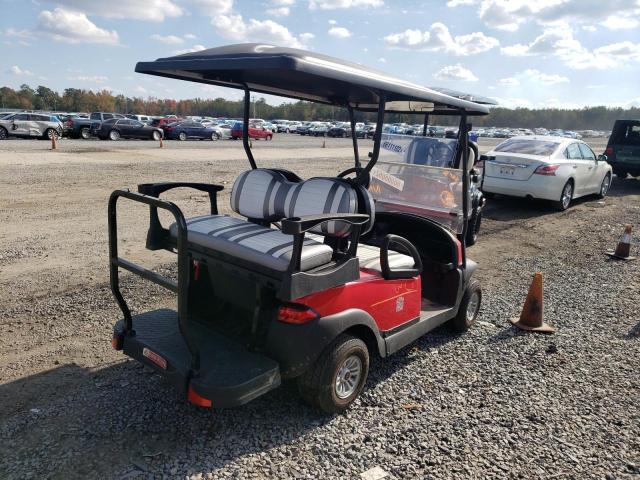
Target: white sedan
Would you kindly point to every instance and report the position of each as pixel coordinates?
(550, 168)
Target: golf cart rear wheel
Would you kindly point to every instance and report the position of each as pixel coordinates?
(469, 308)
(338, 376)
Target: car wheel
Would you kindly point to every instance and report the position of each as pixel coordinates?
(3, 133)
(269, 138)
(114, 135)
(215, 137)
(182, 136)
(50, 133)
(156, 135)
(565, 197)
(473, 228)
(469, 308)
(85, 133)
(338, 376)
(604, 186)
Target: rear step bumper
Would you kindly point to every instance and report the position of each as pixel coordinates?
(229, 376)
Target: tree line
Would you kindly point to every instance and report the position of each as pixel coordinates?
(81, 100)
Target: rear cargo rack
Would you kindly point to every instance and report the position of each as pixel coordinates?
(181, 287)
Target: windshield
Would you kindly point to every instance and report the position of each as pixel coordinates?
(415, 175)
(527, 146)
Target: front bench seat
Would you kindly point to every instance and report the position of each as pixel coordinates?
(264, 196)
(369, 257)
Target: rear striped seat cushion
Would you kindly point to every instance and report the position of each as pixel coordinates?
(257, 244)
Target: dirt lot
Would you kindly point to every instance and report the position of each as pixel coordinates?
(490, 403)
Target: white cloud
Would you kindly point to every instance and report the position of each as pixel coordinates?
(620, 23)
(287, 3)
(558, 41)
(195, 48)
(438, 38)
(382, 60)
(189, 36)
(14, 33)
(455, 72)
(510, 14)
(167, 39)
(92, 79)
(589, 28)
(456, 3)
(213, 7)
(339, 32)
(16, 70)
(532, 76)
(233, 27)
(332, 22)
(336, 4)
(154, 10)
(306, 37)
(73, 27)
(278, 12)
(142, 90)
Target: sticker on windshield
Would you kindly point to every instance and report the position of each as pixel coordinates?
(387, 178)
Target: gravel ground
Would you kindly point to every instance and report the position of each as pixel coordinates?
(492, 403)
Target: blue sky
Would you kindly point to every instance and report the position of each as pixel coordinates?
(543, 53)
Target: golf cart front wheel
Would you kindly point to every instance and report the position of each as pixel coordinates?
(469, 308)
(473, 229)
(338, 376)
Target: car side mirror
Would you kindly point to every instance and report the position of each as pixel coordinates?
(602, 158)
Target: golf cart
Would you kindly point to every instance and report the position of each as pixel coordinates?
(311, 276)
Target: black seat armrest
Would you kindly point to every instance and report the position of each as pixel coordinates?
(155, 189)
(297, 225)
(157, 236)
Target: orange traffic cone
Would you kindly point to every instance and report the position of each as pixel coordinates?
(54, 141)
(531, 318)
(623, 250)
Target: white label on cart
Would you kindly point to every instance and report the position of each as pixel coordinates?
(155, 358)
(387, 178)
(399, 304)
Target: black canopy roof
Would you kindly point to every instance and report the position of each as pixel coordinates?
(310, 76)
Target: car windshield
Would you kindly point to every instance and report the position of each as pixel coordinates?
(528, 146)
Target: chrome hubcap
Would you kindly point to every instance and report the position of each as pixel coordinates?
(567, 193)
(348, 376)
(473, 306)
(605, 185)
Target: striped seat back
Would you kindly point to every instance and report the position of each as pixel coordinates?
(266, 195)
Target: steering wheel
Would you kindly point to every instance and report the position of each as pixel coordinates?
(362, 176)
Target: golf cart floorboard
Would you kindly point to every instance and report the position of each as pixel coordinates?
(230, 375)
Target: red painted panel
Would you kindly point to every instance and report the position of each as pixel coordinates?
(389, 302)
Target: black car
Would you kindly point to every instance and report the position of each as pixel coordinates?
(342, 131)
(623, 148)
(186, 130)
(114, 129)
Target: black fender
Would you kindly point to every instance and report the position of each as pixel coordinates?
(296, 347)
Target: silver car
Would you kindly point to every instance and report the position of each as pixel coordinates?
(36, 125)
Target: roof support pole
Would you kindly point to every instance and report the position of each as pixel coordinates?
(425, 124)
(245, 127)
(463, 141)
(354, 137)
(377, 137)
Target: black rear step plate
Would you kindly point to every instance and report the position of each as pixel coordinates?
(230, 375)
